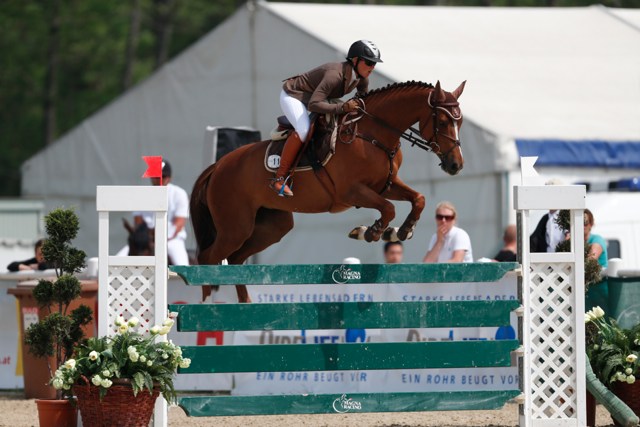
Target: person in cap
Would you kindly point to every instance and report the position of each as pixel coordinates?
(311, 92)
(177, 215)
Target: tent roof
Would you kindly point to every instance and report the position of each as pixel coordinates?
(532, 73)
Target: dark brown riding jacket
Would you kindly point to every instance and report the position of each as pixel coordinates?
(329, 81)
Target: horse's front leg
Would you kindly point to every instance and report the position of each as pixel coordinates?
(365, 197)
(402, 192)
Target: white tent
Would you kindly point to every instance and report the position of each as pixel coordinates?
(561, 83)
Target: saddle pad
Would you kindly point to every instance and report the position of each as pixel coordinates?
(322, 143)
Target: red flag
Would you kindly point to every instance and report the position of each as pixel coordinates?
(154, 169)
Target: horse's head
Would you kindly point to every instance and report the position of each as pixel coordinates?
(441, 128)
(140, 240)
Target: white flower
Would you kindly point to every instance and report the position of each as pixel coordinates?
(168, 322)
(164, 330)
(628, 371)
(120, 321)
(598, 312)
(177, 352)
(636, 341)
(165, 356)
(70, 381)
(96, 380)
(93, 355)
(155, 330)
(57, 383)
(133, 322)
(631, 379)
(622, 377)
(185, 363)
(587, 317)
(131, 349)
(143, 358)
(106, 373)
(596, 347)
(123, 328)
(66, 387)
(106, 383)
(149, 363)
(173, 314)
(70, 364)
(134, 357)
(632, 358)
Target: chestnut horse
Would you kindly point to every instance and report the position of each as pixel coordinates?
(235, 214)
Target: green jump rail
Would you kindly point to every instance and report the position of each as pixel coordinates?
(345, 356)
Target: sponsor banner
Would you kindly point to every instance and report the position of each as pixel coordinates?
(10, 363)
(460, 379)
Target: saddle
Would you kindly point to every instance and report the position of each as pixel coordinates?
(318, 150)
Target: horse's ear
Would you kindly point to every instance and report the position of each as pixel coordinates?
(438, 94)
(127, 225)
(456, 93)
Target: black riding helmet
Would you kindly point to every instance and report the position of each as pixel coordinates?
(364, 49)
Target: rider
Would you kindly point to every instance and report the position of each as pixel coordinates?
(313, 90)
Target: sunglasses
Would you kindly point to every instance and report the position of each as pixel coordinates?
(369, 63)
(445, 217)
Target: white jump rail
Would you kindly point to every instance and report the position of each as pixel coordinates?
(133, 285)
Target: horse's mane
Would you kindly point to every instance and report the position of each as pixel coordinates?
(397, 85)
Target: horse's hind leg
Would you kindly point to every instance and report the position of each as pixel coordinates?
(232, 233)
(271, 226)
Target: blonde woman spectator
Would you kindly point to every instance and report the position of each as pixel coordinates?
(449, 243)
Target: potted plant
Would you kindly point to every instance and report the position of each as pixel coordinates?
(112, 375)
(55, 335)
(613, 352)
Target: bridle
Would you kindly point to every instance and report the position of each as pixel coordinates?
(413, 135)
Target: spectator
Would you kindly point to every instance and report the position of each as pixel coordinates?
(393, 252)
(35, 263)
(598, 293)
(177, 216)
(508, 252)
(547, 234)
(598, 249)
(449, 243)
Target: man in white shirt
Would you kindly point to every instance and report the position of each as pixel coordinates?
(177, 216)
(449, 243)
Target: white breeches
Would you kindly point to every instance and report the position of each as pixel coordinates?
(177, 251)
(297, 114)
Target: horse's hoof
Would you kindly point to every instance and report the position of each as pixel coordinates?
(358, 233)
(371, 236)
(390, 234)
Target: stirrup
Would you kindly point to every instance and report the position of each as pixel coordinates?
(283, 180)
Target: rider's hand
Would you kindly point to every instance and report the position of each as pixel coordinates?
(349, 106)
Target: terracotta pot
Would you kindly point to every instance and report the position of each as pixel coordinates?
(629, 394)
(57, 413)
(119, 407)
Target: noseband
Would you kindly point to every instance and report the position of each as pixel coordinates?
(454, 115)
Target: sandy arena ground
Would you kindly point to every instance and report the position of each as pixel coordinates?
(22, 413)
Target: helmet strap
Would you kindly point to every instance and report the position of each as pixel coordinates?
(355, 67)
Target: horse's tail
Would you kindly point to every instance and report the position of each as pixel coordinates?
(204, 229)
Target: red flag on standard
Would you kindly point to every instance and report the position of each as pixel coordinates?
(154, 166)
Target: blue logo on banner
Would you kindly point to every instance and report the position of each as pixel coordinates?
(505, 333)
(352, 335)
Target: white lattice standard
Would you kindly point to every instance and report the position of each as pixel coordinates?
(552, 369)
(133, 285)
(131, 293)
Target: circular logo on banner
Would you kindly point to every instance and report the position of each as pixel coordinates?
(343, 274)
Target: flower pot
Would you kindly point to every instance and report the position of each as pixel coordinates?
(57, 413)
(629, 394)
(118, 407)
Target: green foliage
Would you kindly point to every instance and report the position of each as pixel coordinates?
(57, 333)
(592, 269)
(128, 355)
(613, 351)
